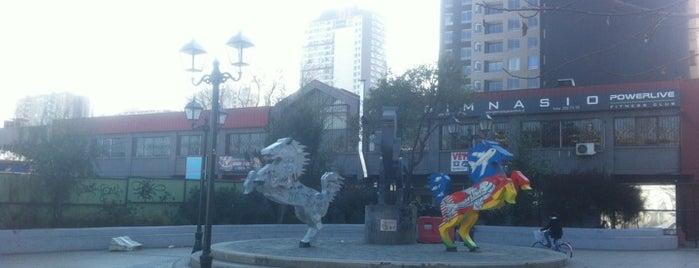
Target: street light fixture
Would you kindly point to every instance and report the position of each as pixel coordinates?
(215, 78)
(193, 111)
(485, 124)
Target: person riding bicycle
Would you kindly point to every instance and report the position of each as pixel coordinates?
(553, 230)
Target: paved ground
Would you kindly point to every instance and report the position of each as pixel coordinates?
(167, 257)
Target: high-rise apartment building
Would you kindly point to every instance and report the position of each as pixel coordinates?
(42, 109)
(345, 49)
(518, 44)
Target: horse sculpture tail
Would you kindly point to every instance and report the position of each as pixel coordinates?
(331, 184)
(439, 184)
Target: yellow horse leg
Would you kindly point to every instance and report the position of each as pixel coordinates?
(444, 232)
(469, 221)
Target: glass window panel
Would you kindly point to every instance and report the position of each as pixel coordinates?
(533, 42)
(533, 63)
(551, 133)
(493, 85)
(466, 16)
(493, 47)
(513, 83)
(668, 130)
(646, 130)
(493, 66)
(512, 44)
(513, 64)
(531, 133)
(491, 28)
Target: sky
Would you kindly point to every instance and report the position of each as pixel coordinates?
(124, 55)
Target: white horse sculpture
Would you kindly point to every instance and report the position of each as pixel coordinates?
(278, 181)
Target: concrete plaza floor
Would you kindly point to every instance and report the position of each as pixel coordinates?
(178, 257)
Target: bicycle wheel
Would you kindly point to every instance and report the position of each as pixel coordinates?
(538, 244)
(566, 248)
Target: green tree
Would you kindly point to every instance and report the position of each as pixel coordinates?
(58, 155)
(419, 95)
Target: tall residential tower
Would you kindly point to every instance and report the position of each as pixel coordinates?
(518, 44)
(345, 49)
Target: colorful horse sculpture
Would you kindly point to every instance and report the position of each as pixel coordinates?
(491, 190)
(278, 181)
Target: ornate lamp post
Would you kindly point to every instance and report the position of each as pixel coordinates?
(215, 78)
(193, 112)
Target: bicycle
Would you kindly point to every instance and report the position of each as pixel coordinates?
(562, 247)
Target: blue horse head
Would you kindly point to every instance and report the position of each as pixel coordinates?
(439, 184)
(487, 159)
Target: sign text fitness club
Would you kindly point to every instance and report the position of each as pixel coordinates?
(577, 102)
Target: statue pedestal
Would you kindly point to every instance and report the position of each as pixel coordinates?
(390, 224)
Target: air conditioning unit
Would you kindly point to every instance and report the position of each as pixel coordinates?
(587, 148)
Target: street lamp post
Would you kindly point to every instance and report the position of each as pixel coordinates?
(193, 112)
(215, 79)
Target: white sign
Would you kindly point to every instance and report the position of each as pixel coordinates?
(389, 225)
(459, 161)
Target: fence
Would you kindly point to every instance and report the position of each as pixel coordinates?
(97, 201)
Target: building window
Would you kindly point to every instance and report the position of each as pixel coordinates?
(577, 131)
(336, 116)
(491, 28)
(563, 133)
(493, 66)
(478, 85)
(112, 147)
(512, 44)
(513, 64)
(448, 3)
(466, 70)
(513, 83)
(478, 28)
(477, 66)
(533, 83)
(493, 47)
(513, 24)
(458, 137)
(533, 63)
(448, 37)
(448, 19)
(478, 46)
(465, 53)
(152, 147)
(465, 35)
(513, 4)
(533, 42)
(647, 131)
(493, 85)
(466, 16)
(245, 145)
(190, 145)
(533, 21)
